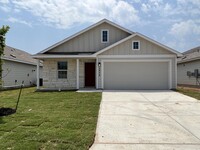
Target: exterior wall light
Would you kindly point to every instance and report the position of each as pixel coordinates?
(99, 64)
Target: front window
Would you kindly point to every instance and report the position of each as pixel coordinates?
(62, 69)
(104, 36)
(136, 45)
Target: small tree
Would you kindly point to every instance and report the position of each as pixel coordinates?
(3, 32)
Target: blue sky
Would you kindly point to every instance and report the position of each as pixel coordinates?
(37, 24)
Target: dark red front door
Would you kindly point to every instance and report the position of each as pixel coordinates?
(90, 74)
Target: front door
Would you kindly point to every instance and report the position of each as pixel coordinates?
(90, 74)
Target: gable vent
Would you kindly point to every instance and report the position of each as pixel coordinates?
(13, 55)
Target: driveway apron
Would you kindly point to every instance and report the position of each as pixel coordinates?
(147, 120)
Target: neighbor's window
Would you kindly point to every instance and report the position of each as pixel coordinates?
(136, 45)
(62, 69)
(104, 36)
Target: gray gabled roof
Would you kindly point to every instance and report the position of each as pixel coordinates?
(190, 55)
(13, 54)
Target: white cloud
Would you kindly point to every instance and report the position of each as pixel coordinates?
(121, 13)
(5, 8)
(184, 35)
(15, 20)
(186, 2)
(167, 9)
(4, 1)
(185, 28)
(157, 6)
(65, 13)
(145, 8)
(151, 5)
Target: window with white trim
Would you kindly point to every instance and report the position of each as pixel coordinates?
(136, 45)
(62, 69)
(104, 36)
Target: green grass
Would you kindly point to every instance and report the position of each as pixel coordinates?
(49, 120)
(190, 92)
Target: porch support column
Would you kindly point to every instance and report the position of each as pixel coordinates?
(38, 74)
(77, 73)
(97, 73)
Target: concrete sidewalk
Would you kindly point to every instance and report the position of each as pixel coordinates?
(147, 120)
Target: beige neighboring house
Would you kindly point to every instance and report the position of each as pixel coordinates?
(108, 56)
(18, 66)
(189, 68)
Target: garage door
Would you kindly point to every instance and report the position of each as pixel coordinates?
(135, 75)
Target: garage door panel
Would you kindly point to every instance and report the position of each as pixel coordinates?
(135, 75)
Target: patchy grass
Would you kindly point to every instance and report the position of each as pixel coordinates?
(190, 92)
(49, 120)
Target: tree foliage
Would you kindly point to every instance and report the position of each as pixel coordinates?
(3, 32)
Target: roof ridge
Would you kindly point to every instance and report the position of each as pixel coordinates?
(192, 50)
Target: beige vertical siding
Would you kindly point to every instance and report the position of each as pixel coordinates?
(146, 48)
(90, 41)
(182, 73)
(20, 72)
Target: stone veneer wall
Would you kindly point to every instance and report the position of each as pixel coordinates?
(50, 74)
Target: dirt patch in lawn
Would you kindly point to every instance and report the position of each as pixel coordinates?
(189, 88)
(193, 92)
(6, 111)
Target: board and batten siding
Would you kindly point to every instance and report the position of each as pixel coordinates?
(182, 72)
(146, 48)
(15, 72)
(90, 41)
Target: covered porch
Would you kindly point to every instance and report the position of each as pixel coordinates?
(81, 73)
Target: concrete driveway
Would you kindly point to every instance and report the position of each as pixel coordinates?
(147, 120)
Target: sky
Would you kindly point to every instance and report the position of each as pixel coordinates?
(38, 24)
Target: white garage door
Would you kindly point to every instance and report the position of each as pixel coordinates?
(136, 75)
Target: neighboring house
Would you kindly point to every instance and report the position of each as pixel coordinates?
(18, 66)
(108, 56)
(189, 68)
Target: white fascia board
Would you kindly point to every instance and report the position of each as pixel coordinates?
(137, 56)
(188, 60)
(85, 30)
(20, 61)
(62, 56)
(140, 35)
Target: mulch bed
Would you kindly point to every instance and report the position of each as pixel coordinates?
(6, 111)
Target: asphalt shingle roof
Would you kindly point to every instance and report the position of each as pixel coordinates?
(18, 55)
(190, 55)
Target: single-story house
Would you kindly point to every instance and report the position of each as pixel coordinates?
(189, 68)
(109, 56)
(18, 66)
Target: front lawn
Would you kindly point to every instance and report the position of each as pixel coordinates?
(190, 92)
(49, 120)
